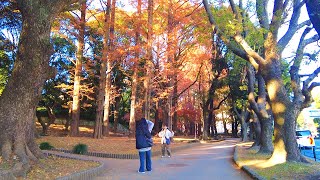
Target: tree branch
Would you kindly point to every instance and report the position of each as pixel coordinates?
(191, 83)
(261, 8)
(220, 103)
(276, 18)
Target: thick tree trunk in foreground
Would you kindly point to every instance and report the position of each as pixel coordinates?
(285, 145)
(76, 107)
(20, 98)
(266, 136)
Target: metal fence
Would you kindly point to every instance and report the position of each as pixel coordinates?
(315, 153)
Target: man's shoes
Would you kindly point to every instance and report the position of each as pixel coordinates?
(169, 156)
(141, 172)
(149, 170)
(162, 156)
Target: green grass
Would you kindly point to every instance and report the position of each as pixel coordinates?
(286, 171)
(289, 170)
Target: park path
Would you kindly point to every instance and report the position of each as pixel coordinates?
(206, 161)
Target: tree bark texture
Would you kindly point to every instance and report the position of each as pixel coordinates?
(76, 106)
(116, 116)
(19, 99)
(313, 7)
(106, 112)
(259, 106)
(132, 124)
(285, 145)
(103, 74)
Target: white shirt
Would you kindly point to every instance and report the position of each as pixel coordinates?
(165, 134)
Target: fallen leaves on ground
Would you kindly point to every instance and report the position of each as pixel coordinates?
(54, 167)
(112, 144)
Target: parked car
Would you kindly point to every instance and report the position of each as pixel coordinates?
(305, 139)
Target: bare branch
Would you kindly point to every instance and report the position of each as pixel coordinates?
(313, 85)
(191, 83)
(220, 103)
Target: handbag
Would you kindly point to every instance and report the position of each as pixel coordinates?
(168, 141)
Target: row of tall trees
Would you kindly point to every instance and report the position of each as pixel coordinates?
(159, 59)
(266, 59)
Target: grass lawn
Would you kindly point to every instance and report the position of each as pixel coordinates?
(289, 170)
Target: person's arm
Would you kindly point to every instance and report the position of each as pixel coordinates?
(150, 125)
(171, 133)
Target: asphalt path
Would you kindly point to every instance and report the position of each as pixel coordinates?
(206, 161)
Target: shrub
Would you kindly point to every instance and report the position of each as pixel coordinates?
(80, 149)
(45, 146)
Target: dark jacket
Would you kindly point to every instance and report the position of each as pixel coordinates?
(142, 133)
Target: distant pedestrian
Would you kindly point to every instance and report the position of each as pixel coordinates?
(144, 143)
(165, 134)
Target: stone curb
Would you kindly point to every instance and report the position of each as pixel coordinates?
(90, 173)
(82, 175)
(124, 156)
(246, 169)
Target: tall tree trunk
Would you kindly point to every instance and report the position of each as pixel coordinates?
(147, 80)
(132, 124)
(210, 117)
(106, 112)
(76, 107)
(116, 113)
(266, 135)
(205, 124)
(256, 130)
(135, 76)
(19, 99)
(285, 145)
(68, 118)
(170, 59)
(51, 120)
(260, 109)
(214, 124)
(175, 101)
(102, 80)
(243, 121)
(156, 118)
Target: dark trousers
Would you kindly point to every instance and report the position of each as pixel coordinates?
(145, 157)
(165, 147)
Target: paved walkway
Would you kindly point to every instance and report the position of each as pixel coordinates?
(206, 161)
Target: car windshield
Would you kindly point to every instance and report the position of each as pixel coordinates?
(303, 133)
